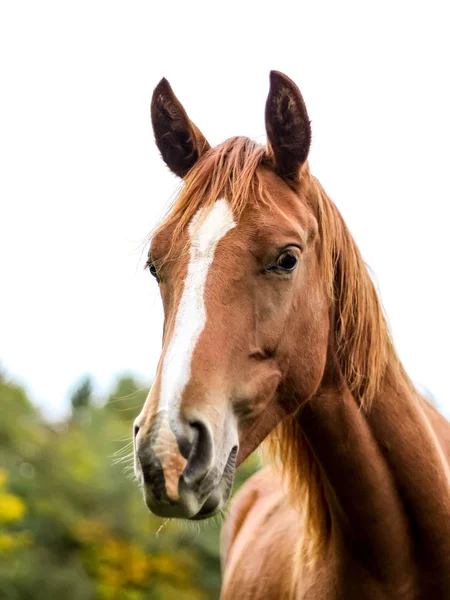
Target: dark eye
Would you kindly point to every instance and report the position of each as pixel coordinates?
(151, 267)
(287, 261)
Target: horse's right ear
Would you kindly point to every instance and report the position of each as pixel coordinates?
(288, 127)
(180, 142)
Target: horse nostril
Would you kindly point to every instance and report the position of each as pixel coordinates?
(200, 454)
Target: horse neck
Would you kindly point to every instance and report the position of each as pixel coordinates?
(383, 471)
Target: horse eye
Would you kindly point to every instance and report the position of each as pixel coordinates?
(286, 261)
(151, 267)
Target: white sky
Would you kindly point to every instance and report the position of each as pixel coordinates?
(81, 182)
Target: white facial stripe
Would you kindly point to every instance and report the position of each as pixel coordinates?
(205, 233)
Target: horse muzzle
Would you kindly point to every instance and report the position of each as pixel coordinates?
(183, 472)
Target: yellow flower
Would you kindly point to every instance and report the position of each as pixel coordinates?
(90, 531)
(6, 542)
(11, 541)
(12, 508)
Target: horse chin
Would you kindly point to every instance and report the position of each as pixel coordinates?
(216, 502)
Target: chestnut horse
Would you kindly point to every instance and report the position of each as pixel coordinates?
(273, 329)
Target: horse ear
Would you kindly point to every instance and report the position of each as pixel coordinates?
(288, 127)
(180, 142)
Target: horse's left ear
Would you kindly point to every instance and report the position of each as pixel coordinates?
(180, 142)
(288, 127)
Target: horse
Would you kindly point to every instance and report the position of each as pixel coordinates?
(274, 336)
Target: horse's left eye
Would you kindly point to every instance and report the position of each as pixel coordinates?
(287, 261)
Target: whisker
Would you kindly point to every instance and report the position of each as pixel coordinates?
(124, 439)
(127, 408)
(124, 449)
(161, 527)
(127, 396)
(122, 459)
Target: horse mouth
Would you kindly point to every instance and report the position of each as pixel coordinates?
(211, 507)
(219, 497)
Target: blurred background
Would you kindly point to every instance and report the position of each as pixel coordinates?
(73, 524)
(81, 187)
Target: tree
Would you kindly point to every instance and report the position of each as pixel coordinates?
(82, 396)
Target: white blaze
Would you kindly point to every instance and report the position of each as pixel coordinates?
(205, 232)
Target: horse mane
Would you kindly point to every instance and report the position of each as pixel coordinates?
(364, 350)
(362, 340)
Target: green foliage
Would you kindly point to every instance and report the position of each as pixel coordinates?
(73, 524)
(126, 399)
(82, 396)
